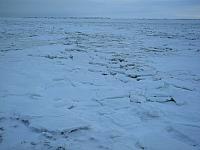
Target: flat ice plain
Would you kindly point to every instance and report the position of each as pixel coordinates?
(99, 84)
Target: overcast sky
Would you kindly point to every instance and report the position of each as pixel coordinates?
(102, 8)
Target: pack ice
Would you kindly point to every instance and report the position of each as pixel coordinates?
(99, 84)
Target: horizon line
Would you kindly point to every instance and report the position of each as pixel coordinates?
(97, 17)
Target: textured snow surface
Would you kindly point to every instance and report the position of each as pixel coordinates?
(99, 84)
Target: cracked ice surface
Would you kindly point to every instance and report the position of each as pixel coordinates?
(99, 84)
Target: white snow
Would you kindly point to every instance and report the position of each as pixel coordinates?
(92, 84)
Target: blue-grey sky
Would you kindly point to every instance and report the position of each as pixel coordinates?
(102, 8)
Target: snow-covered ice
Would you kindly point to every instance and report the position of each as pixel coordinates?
(99, 84)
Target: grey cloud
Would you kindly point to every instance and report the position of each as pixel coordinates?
(102, 8)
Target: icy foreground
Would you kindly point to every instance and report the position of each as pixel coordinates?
(99, 84)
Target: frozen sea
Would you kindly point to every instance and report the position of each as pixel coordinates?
(99, 84)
